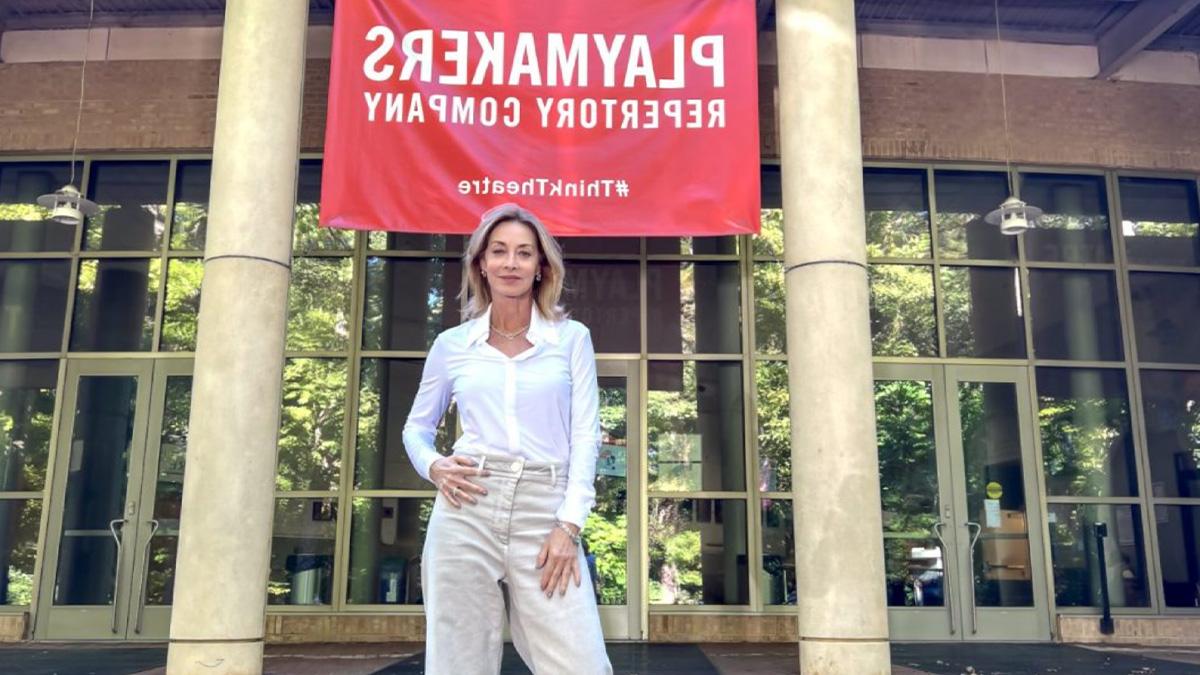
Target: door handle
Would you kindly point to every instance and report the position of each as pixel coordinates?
(141, 612)
(971, 551)
(946, 585)
(117, 536)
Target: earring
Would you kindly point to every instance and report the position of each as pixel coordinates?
(484, 273)
(537, 277)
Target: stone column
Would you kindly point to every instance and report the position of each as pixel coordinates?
(839, 551)
(217, 622)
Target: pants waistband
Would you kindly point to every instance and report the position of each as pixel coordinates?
(511, 465)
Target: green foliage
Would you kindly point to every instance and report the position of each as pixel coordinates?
(902, 314)
(907, 455)
(1082, 438)
(675, 574)
(319, 304)
(182, 305)
(607, 539)
(310, 435)
(774, 426)
(898, 234)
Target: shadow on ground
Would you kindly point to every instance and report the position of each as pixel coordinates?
(628, 658)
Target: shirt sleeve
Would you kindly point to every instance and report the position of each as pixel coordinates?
(585, 434)
(431, 401)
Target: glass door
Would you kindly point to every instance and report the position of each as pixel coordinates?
(611, 538)
(117, 487)
(958, 494)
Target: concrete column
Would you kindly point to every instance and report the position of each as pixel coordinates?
(839, 552)
(228, 494)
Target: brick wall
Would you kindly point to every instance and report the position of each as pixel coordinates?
(156, 106)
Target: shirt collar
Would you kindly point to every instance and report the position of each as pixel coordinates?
(539, 328)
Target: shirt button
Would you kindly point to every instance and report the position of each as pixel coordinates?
(516, 466)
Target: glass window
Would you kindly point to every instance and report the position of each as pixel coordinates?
(695, 426)
(1074, 224)
(168, 495)
(302, 552)
(774, 426)
(26, 420)
(963, 199)
(601, 245)
(132, 197)
(698, 552)
(114, 304)
(897, 213)
(694, 307)
(386, 391)
(606, 297)
(410, 301)
(778, 585)
(984, 312)
(908, 472)
(606, 533)
(1166, 316)
(386, 538)
(1179, 553)
(991, 446)
(181, 309)
(770, 238)
(23, 224)
(319, 304)
(310, 433)
(1075, 315)
(1160, 221)
(770, 311)
(914, 572)
(407, 241)
(189, 219)
(692, 245)
(308, 236)
(1087, 445)
(1171, 402)
(33, 304)
(902, 311)
(19, 522)
(1073, 548)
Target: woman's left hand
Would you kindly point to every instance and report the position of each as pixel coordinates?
(559, 561)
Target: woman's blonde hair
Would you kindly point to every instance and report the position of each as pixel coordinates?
(476, 295)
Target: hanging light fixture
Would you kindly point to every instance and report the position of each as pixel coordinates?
(1013, 215)
(67, 205)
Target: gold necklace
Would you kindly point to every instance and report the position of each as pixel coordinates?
(510, 336)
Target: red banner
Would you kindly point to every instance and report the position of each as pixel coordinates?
(622, 117)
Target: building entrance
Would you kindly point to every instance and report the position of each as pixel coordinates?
(963, 548)
(116, 496)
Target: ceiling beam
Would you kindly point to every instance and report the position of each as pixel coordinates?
(135, 19)
(972, 31)
(1148, 20)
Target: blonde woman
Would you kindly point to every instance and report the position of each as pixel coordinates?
(512, 499)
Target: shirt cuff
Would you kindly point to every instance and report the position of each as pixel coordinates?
(573, 513)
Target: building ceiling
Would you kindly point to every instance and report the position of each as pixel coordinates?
(1119, 28)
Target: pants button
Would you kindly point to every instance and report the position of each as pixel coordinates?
(516, 466)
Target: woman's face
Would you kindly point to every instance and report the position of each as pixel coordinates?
(510, 260)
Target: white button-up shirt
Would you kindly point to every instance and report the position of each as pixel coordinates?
(541, 405)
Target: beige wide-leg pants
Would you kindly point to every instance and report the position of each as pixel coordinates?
(480, 565)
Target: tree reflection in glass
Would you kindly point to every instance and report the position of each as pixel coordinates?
(1087, 445)
(310, 433)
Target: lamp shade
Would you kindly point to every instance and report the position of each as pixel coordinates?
(1014, 216)
(67, 205)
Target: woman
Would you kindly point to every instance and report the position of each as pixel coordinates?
(504, 535)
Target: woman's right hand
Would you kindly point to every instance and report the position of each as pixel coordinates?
(450, 474)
